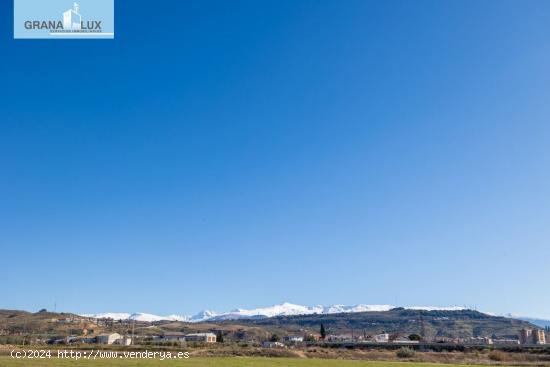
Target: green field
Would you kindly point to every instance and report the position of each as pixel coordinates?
(212, 362)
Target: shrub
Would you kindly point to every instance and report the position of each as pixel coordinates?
(405, 352)
(498, 356)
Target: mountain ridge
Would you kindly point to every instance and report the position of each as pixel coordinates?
(283, 309)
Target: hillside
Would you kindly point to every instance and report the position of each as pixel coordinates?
(13, 322)
(460, 323)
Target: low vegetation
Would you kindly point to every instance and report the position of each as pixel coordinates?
(208, 362)
(498, 356)
(405, 353)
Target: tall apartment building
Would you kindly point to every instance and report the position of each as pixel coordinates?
(539, 337)
(526, 336)
(529, 336)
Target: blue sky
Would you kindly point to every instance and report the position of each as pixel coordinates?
(238, 154)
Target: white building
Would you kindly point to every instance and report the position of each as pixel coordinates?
(381, 338)
(108, 338)
(124, 341)
(173, 337)
(201, 337)
(478, 340)
(272, 345)
(539, 336)
(339, 338)
(293, 339)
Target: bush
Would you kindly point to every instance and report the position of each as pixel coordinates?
(405, 352)
(498, 356)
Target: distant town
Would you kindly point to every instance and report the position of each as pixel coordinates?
(107, 331)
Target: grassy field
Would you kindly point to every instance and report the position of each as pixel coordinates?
(210, 362)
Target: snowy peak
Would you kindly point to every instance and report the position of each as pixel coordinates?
(151, 318)
(289, 309)
(284, 309)
(356, 308)
(203, 316)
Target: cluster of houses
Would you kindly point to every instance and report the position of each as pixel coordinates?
(117, 339)
(88, 324)
(340, 338)
(478, 340)
(526, 337)
(181, 337)
(377, 338)
(285, 341)
(107, 338)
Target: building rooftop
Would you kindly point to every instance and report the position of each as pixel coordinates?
(201, 334)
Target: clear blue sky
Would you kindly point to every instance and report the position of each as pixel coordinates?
(223, 154)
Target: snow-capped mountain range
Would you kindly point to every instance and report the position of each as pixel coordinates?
(284, 309)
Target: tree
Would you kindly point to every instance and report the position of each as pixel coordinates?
(274, 338)
(219, 337)
(415, 337)
(309, 338)
(323, 332)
